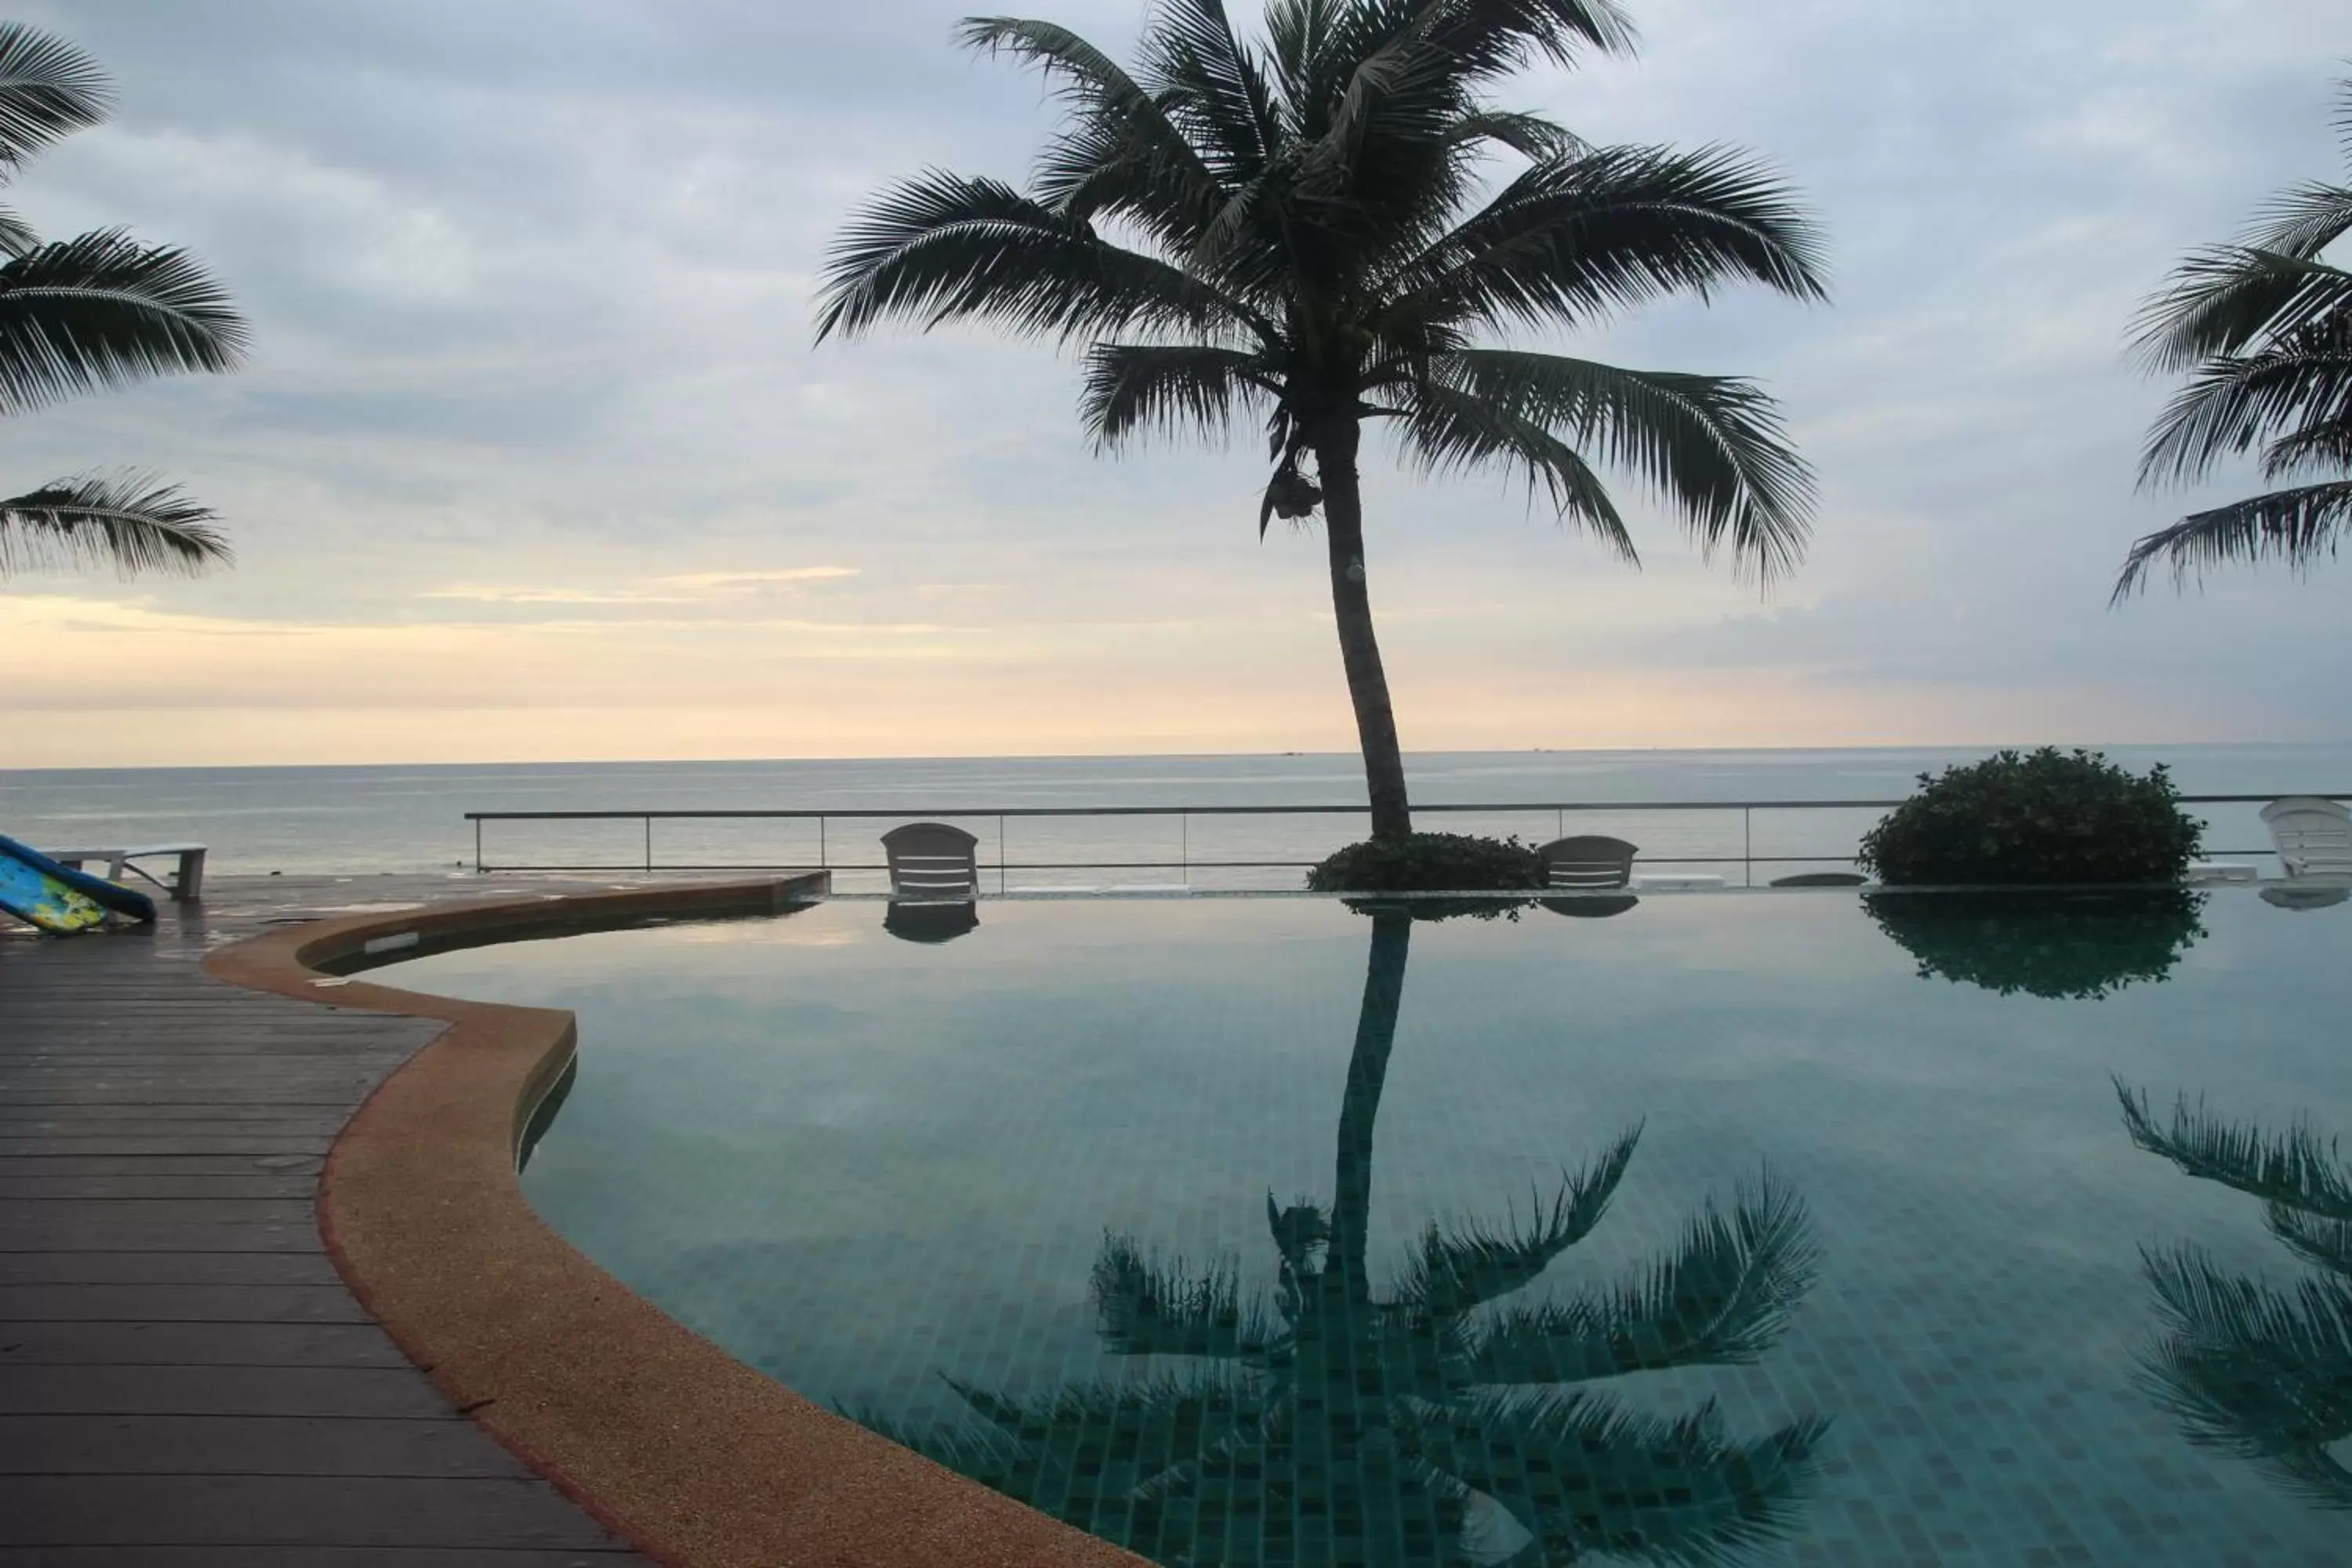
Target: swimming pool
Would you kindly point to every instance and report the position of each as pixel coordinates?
(1766, 1229)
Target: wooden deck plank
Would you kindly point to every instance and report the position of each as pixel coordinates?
(143, 1185)
(310, 1556)
(181, 1343)
(378, 1392)
(149, 1303)
(245, 1446)
(100, 1232)
(176, 1270)
(284, 1511)
(161, 1166)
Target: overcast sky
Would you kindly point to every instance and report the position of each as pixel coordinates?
(535, 459)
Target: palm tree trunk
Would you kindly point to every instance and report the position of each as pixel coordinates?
(1368, 1071)
(1359, 651)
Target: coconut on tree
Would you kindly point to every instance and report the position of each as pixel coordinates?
(88, 314)
(1328, 228)
(2263, 327)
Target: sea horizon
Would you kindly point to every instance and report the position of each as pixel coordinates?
(409, 817)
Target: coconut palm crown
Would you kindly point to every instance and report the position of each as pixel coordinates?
(1311, 228)
(2265, 329)
(88, 314)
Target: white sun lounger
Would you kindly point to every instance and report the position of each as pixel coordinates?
(2313, 836)
(187, 883)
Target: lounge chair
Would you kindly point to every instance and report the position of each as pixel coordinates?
(1587, 863)
(2313, 836)
(932, 860)
(187, 883)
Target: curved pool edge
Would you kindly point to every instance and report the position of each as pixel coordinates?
(670, 1441)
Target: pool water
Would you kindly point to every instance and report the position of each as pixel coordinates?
(1713, 1229)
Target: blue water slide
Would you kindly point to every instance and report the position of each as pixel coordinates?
(60, 899)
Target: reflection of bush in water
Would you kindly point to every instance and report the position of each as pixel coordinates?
(2082, 946)
(1431, 912)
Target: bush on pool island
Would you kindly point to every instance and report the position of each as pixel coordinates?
(2039, 818)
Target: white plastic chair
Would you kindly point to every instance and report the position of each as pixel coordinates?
(932, 860)
(1590, 861)
(2313, 836)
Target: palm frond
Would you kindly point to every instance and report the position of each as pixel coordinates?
(1713, 447)
(1155, 1306)
(2227, 299)
(2304, 221)
(2234, 401)
(941, 248)
(1574, 239)
(2320, 1241)
(48, 90)
(1530, 135)
(1724, 1297)
(132, 522)
(1298, 34)
(2295, 526)
(2297, 1168)
(1214, 87)
(2324, 443)
(1588, 1476)
(1456, 1270)
(17, 236)
(1175, 388)
(1487, 37)
(1448, 431)
(1124, 154)
(2256, 1373)
(100, 310)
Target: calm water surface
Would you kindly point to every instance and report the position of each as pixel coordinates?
(1730, 1229)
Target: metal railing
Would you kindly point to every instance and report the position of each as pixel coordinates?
(1184, 859)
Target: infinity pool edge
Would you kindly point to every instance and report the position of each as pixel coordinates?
(665, 1438)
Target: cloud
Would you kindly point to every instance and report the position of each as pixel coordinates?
(685, 588)
(749, 582)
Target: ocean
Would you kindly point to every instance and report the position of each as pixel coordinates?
(358, 821)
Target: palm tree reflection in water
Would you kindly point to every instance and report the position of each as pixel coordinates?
(2262, 1373)
(1429, 1424)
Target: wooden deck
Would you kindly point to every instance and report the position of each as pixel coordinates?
(184, 1381)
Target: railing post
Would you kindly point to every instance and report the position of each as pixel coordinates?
(1747, 845)
(1184, 846)
(478, 846)
(999, 858)
(823, 864)
(649, 844)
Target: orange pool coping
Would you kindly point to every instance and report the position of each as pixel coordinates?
(695, 1458)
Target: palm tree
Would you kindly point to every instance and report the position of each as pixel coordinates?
(1427, 1424)
(89, 313)
(1308, 247)
(2247, 1369)
(2265, 326)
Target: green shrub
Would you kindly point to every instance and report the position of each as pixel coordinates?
(2075, 946)
(1429, 863)
(2037, 818)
